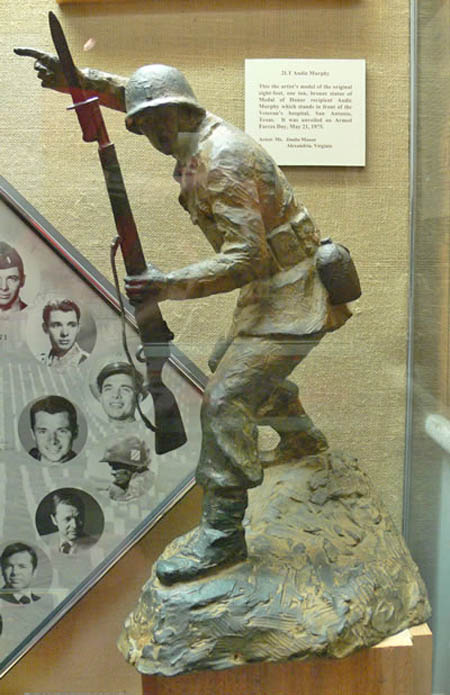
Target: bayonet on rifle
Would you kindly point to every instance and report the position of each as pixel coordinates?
(153, 330)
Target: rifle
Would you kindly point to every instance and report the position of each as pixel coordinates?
(153, 330)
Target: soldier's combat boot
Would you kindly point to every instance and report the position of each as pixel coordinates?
(304, 440)
(219, 539)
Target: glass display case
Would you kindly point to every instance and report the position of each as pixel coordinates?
(427, 489)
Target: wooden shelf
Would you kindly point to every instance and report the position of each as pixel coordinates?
(400, 665)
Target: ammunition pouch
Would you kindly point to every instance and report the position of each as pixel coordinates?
(292, 242)
(337, 272)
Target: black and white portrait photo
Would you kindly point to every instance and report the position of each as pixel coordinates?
(70, 521)
(117, 387)
(52, 425)
(12, 279)
(61, 323)
(129, 462)
(18, 563)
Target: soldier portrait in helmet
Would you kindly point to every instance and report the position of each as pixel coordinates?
(128, 460)
(118, 387)
(12, 279)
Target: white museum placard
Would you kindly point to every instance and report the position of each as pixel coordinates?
(308, 111)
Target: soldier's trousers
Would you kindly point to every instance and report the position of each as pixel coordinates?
(249, 387)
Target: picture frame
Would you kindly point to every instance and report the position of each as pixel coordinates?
(70, 422)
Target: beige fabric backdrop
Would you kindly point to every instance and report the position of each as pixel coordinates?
(353, 384)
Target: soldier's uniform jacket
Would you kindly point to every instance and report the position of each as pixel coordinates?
(72, 358)
(139, 484)
(17, 306)
(265, 239)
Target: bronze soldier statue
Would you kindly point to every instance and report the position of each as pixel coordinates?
(266, 244)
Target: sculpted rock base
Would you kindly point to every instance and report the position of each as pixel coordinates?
(327, 574)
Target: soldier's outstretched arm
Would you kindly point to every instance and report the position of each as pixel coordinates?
(222, 273)
(109, 88)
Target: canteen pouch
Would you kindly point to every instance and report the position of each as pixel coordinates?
(337, 272)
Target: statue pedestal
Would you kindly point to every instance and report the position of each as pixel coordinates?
(399, 665)
(327, 574)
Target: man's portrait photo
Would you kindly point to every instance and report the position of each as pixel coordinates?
(51, 427)
(12, 279)
(70, 521)
(118, 387)
(129, 462)
(61, 323)
(18, 563)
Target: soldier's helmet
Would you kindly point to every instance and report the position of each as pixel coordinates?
(9, 258)
(120, 368)
(131, 452)
(157, 85)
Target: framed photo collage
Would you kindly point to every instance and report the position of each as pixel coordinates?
(80, 481)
